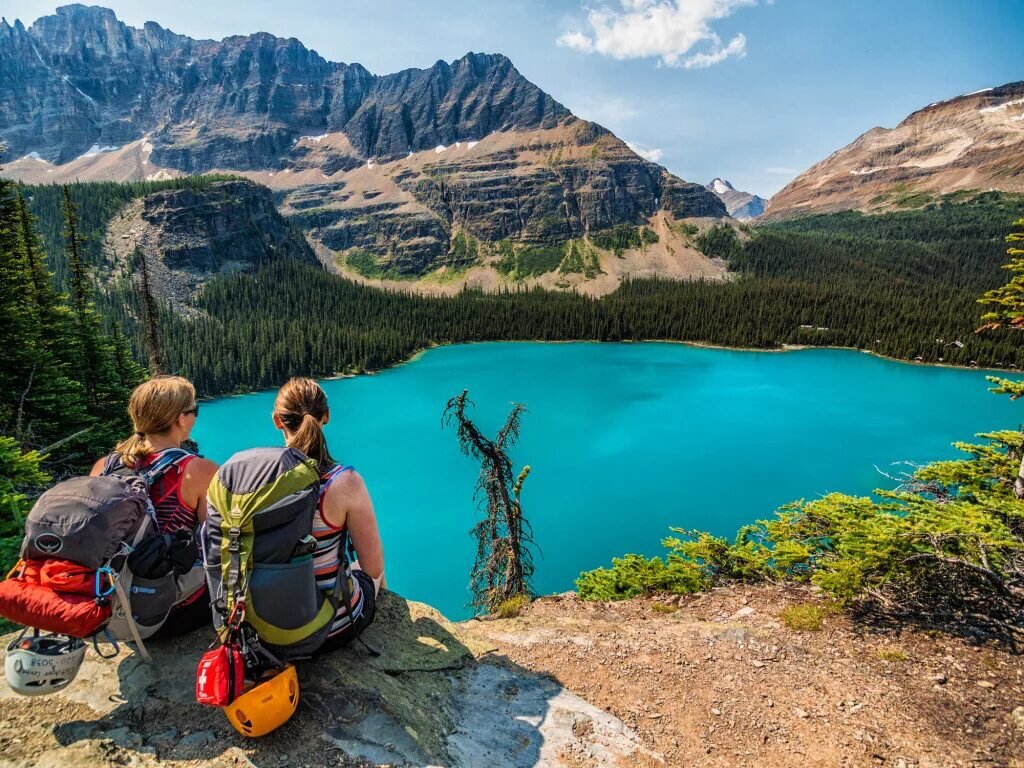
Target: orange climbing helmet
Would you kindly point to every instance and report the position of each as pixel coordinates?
(266, 706)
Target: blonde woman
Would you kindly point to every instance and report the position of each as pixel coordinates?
(163, 411)
(344, 515)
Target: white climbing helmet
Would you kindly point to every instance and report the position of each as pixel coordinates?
(43, 663)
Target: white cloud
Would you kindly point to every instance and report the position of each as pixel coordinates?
(736, 47)
(654, 154)
(678, 32)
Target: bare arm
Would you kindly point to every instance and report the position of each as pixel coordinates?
(97, 468)
(347, 503)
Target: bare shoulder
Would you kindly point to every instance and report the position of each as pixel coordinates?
(97, 468)
(347, 485)
(201, 468)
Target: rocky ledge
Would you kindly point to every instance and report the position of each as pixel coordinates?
(436, 695)
(725, 678)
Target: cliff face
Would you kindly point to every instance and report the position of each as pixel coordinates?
(397, 165)
(544, 186)
(190, 235)
(974, 141)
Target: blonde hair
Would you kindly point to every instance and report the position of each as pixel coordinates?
(301, 405)
(154, 407)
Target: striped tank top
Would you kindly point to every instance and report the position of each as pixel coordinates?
(332, 545)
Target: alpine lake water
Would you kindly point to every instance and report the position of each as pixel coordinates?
(624, 440)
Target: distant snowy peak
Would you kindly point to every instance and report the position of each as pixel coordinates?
(721, 187)
(742, 206)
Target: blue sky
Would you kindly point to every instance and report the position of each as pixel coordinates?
(751, 90)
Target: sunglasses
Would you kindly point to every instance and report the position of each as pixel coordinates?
(194, 410)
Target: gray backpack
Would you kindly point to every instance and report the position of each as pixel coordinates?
(97, 522)
(258, 551)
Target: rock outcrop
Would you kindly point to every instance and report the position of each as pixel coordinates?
(190, 234)
(434, 696)
(972, 142)
(396, 165)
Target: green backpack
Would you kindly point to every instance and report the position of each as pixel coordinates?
(258, 551)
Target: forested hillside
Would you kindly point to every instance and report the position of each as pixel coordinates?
(902, 284)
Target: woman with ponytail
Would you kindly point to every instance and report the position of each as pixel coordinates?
(163, 411)
(344, 519)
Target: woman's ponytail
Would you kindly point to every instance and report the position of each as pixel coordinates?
(301, 405)
(134, 449)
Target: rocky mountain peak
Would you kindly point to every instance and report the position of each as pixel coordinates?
(742, 206)
(395, 165)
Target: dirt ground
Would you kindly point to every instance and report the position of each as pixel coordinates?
(719, 680)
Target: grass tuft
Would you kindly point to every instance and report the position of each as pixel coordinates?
(892, 654)
(803, 617)
(512, 607)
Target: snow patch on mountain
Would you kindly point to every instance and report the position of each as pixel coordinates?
(96, 149)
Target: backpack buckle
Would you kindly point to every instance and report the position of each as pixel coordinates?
(234, 545)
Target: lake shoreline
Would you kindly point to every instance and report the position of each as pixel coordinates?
(695, 344)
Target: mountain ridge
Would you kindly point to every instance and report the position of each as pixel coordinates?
(396, 166)
(974, 141)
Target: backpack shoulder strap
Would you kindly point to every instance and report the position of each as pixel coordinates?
(112, 463)
(165, 460)
(328, 477)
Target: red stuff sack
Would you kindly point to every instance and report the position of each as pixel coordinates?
(220, 676)
(27, 598)
(66, 576)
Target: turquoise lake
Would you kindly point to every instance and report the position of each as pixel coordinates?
(624, 440)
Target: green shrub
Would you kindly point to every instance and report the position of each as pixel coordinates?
(519, 262)
(363, 262)
(634, 575)
(622, 237)
(580, 258)
(21, 480)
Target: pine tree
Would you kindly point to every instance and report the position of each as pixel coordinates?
(150, 314)
(1008, 300)
(81, 299)
(18, 331)
(504, 564)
